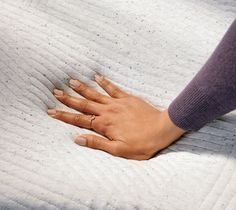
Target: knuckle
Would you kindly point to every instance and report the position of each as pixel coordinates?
(93, 142)
(108, 123)
(115, 91)
(59, 115)
(66, 99)
(82, 88)
(77, 118)
(84, 105)
(131, 101)
(114, 108)
(106, 119)
(96, 96)
(105, 83)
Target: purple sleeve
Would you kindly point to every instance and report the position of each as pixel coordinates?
(212, 91)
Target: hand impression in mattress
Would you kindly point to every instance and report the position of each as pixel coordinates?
(131, 128)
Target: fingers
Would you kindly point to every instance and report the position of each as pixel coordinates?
(85, 121)
(101, 143)
(80, 104)
(110, 88)
(88, 92)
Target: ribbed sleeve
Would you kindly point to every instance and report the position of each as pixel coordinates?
(212, 91)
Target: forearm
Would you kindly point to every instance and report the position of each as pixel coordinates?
(212, 92)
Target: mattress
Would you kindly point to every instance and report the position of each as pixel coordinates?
(150, 48)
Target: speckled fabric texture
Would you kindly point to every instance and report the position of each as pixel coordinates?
(150, 48)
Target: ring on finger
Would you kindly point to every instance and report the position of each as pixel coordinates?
(93, 117)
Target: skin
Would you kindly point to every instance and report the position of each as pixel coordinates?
(129, 127)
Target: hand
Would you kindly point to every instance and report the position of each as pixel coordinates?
(130, 127)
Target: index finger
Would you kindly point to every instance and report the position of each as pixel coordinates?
(113, 90)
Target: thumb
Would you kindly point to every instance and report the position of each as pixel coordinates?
(101, 143)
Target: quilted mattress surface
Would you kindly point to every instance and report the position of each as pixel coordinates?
(151, 48)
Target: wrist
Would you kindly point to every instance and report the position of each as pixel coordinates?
(168, 132)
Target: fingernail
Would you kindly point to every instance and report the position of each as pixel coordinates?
(81, 141)
(74, 83)
(52, 112)
(58, 92)
(98, 78)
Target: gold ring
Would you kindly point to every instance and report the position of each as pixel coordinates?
(91, 121)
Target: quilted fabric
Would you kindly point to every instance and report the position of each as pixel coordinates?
(151, 48)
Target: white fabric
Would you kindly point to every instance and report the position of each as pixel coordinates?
(151, 48)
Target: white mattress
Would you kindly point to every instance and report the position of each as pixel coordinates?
(151, 48)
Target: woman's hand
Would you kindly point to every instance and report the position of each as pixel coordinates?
(131, 128)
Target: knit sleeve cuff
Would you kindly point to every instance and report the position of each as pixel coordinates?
(190, 109)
